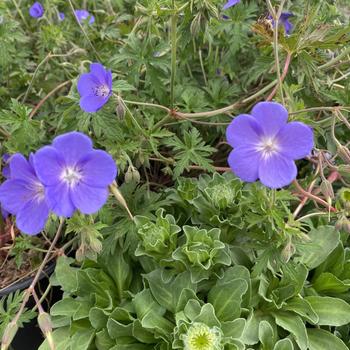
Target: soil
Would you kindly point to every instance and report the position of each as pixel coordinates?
(9, 271)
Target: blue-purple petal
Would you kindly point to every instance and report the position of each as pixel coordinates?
(271, 117)
(73, 146)
(98, 169)
(91, 104)
(36, 10)
(59, 200)
(244, 163)
(231, 3)
(99, 72)
(14, 194)
(243, 130)
(87, 84)
(277, 171)
(21, 169)
(48, 165)
(89, 199)
(32, 217)
(295, 140)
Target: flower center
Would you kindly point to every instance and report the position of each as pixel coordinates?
(39, 191)
(201, 337)
(71, 176)
(268, 147)
(102, 91)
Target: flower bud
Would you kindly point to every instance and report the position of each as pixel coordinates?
(343, 224)
(287, 252)
(132, 175)
(120, 110)
(44, 321)
(344, 154)
(9, 333)
(327, 190)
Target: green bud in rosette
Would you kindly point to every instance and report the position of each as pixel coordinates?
(157, 238)
(201, 251)
(187, 189)
(223, 192)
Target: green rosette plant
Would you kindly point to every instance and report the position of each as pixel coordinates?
(157, 239)
(202, 252)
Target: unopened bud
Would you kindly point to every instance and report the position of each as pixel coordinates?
(120, 110)
(344, 154)
(45, 324)
(327, 190)
(44, 321)
(95, 245)
(9, 334)
(132, 175)
(343, 224)
(287, 252)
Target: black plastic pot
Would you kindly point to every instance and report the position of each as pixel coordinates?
(29, 337)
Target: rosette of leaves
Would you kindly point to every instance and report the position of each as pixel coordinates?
(214, 199)
(158, 239)
(202, 252)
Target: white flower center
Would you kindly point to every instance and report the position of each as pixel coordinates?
(102, 91)
(267, 147)
(71, 176)
(39, 191)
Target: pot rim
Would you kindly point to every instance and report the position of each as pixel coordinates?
(25, 283)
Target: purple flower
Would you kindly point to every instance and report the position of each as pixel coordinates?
(231, 3)
(83, 15)
(284, 20)
(36, 10)
(74, 174)
(23, 195)
(95, 88)
(265, 145)
(61, 16)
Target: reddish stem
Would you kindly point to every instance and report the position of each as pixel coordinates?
(46, 97)
(313, 197)
(284, 74)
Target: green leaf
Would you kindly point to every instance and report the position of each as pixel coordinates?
(321, 339)
(303, 308)
(323, 241)
(65, 307)
(284, 344)
(191, 151)
(233, 329)
(82, 339)
(295, 325)
(65, 274)
(61, 339)
(267, 335)
(331, 311)
(328, 283)
(226, 298)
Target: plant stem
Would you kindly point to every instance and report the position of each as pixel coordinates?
(30, 289)
(47, 57)
(20, 13)
(276, 17)
(283, 76)
(313, 197)
(335, 59)
(84, 32)
(173, 54)
(58, 87)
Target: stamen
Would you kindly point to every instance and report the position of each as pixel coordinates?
(102, 91)
(267, 147)
(71, 176)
